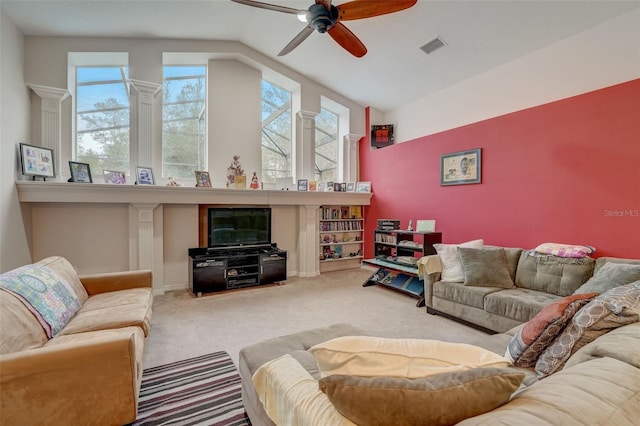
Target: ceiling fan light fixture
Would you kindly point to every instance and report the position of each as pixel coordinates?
(302, 17)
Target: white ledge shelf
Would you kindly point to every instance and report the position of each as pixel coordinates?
(66, 192)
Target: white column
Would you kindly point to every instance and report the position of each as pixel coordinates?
(143, 116)
(144, 253)
(351, 171)
(51, 120)
(308, 248)
(305, 145)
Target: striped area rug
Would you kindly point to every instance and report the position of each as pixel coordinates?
(204, 390)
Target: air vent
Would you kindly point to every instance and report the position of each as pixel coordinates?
(433, 45)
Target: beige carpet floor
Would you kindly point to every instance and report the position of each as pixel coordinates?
(184, 326)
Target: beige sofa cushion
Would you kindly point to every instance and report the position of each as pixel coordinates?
(485, 267)
(409, 358)
(552, 274)
(19, 328)
(602, 391)
(463, 294)
(115, 309)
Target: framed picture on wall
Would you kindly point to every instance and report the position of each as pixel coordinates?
(36, 161)
(461, 168)
(303, 184)
(80, 172)
(144, 175)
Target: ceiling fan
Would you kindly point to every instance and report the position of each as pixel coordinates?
(325, 17)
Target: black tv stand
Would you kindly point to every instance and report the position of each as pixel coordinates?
(213, 269)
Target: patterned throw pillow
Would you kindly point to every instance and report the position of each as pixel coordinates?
(451, 265)
(538, 333)
(565, 250)
(615, 308)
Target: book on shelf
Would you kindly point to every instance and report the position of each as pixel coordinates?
(356, 212)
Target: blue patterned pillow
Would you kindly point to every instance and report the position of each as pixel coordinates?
(48, 297)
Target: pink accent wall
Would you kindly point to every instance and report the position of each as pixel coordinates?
(564, 172)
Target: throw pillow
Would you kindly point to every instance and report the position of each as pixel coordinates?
(451, 266)
(409, 358)
(485, 267)
(538, 333)
(615, 308)
(442, 399)
(610, 275)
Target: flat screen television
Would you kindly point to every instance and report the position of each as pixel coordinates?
(238, 226)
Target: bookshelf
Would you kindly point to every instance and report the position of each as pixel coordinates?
(396, 256)
(340, 237)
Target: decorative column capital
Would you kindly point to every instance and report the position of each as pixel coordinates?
(353, 138)
(145, 86)
(50, 93)
(306, 115)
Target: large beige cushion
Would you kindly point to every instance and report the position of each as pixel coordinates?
(485, 267)
(67, 273)
(290, 396)
(409, 358)
(610, 275)
(19, 328)
(114, 309)
(437, 400)
(598, 392)
(520, 304)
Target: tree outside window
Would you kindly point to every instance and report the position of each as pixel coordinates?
(326, 155)
(276, 132)
(102, 118)
(184, 141)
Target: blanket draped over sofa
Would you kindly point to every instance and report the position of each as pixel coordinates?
(71, 348)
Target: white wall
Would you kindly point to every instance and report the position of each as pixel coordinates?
(14, 128)
(603, 56)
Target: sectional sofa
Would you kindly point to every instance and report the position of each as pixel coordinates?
(71, 348)
(568, 330)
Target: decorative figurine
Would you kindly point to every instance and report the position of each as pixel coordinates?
(254, 182)
(410, 227)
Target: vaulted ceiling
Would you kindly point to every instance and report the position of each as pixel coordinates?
(478, 36)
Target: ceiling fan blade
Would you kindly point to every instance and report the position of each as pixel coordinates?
(345, 38)
(302, 36)
(359, 9)
(268, 6)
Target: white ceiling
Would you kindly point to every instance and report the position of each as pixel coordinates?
(479, 35)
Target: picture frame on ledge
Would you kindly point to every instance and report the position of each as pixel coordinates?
(363, 186)
(37, 161)
(461, 168)
(80, 172)
(114, 177)
(144, 176)
(203, 180)
(303, 184)
(351, 187)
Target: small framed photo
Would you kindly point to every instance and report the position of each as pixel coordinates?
(363, 186)
(303, 184)
(36, 161)
(461, 168)
(313, 185)
(351, 187)
(80, 172)
(203, 179)
(144, 175)
(321, 186)
(330, 186)
(114, 177)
